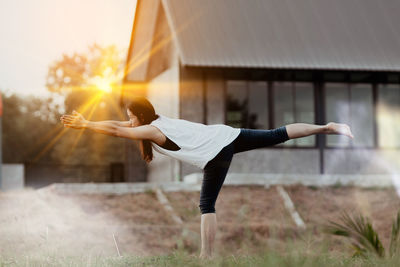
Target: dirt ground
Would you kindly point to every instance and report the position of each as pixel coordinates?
(317, 206)
(250, 218)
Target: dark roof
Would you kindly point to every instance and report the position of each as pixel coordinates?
(306, 34)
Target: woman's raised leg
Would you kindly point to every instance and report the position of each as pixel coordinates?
(249, 139)
(297, 130)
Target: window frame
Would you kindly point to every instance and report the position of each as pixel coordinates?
(318, 78)
(348, 86)
(265, 76)
(293, 103)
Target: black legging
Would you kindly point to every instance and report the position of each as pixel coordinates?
(216, 169)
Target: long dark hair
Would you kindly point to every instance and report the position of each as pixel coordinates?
(144, 111)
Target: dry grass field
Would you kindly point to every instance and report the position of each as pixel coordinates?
(251, 220)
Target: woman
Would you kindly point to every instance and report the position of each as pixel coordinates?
(209, 147)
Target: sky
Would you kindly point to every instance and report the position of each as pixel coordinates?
(36, 33)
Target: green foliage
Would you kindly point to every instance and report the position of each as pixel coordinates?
(313, 187)
(338, 184)
(25, 121)
(364, 238)
(188, 242)
(395, 236)
(32, 133)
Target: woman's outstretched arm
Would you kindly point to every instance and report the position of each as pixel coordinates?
(77, 121)
(119, 123)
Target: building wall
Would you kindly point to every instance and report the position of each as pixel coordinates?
(361, 161)
(306, 161)
(40, 175)
(191, 100)
(163, 93)
(197, 85)
(191, 93)
(215, 98)
(135, 168)
(264, 160)
(273, 160)
(153, 67)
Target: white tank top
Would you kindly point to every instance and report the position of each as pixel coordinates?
(199, 143)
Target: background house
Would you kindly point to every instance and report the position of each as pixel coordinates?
(264, 64)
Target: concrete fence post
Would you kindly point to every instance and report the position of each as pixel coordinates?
(1, 145)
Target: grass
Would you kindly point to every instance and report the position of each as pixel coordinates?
(181, 258)
(242, 243)
(337, 185)
(304, 251)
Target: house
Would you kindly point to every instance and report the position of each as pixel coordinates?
(262, 64)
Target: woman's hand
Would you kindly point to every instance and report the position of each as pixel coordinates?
(75, 121)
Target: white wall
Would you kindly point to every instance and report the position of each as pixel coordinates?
(12, 177)
(163, 93)
(362, 161)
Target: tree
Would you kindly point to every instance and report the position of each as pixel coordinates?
(26, 120)
(101, 68)
(90, 84)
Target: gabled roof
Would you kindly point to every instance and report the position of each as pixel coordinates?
(296, 34)
(340, 34)
(141, 40)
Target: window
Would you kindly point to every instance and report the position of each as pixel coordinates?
(349, 97)
(236, 115)
(247, 104)
(351, 104)
(388, 115)
(258, 105)
(294, 102)
(304, 110)
(362, 115)
(337, 110)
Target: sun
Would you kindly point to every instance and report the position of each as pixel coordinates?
(103, 84)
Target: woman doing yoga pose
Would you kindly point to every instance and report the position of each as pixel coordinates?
(209, 147)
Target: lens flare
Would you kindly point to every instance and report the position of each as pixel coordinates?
(103, 83)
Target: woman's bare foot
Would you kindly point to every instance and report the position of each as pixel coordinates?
(339, 128)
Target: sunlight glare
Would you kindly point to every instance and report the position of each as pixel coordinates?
(103, 83)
